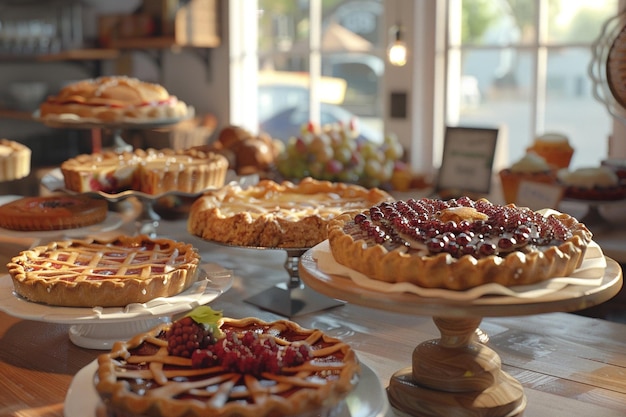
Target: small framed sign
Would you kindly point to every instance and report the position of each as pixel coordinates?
(467, 161)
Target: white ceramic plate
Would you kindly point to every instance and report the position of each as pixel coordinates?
(367, 400)
(206, 289)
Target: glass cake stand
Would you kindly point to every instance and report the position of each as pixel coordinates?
(99, 328)
(456, 375)
(70, 121)
(292, 298)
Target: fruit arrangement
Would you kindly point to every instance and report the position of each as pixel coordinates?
(336, 153)
(197, 336)
(461, 226)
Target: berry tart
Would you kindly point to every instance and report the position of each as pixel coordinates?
(149, 171)
(227, 368)
(281, 215)
(56, 212)
(113, 99)
(458, 244)
(115, 273)
(592, 183)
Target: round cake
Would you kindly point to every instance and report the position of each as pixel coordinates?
(14, 160)
(271, 214)
(149, 171)
(104, 273)
(458, 244)
(52, 213)
(237, 368)
(113, 99)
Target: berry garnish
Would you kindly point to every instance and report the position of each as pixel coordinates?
(196, 330)
(250, 353)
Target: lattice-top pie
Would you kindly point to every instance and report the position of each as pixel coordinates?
(90, 273)
(249, 368)
(458, 244)
(272, 214)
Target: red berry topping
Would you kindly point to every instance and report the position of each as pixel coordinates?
(185, 336)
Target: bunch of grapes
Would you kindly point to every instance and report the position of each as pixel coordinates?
(336, 153)
(186, 335)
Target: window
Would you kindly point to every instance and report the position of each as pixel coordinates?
(524, 64)
(518, 64)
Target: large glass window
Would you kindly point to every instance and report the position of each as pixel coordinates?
(524, 64)
(320, 62)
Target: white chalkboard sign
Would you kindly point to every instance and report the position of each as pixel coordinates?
(467, 161)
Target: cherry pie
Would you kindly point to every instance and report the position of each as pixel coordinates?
(458, 244)
(248, 368)
(90, 273)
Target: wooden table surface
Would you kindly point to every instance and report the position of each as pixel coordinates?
(569, 365)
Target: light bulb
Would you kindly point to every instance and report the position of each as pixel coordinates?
(397, 52)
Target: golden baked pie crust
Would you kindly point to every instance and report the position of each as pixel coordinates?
(281, 215)
(444, 271)
(115, 273)
(340, 377)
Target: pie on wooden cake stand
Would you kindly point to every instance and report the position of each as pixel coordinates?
(457, 374)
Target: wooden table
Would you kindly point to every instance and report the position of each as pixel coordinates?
(569, 365)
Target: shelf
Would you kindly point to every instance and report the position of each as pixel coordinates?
(15, 114)
(69, 55)
(163, 42)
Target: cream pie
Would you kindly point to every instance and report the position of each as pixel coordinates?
(272, 214)
(113, 99)
(100, 273)
(237, 368)
(458, 244)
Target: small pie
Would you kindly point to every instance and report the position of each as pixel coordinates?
(458, 244)
(281, 215)
(14, 160)
(253, 369)
(115, 273)
(149, 171)
(113, 99)
(55, 212)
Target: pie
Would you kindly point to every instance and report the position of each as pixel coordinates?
(592, 183)
(250, 368)
(115, 273)
(55, 212)
(150, 171)
(14, 160)
(272, 214)
(458, 244)
(113, 99)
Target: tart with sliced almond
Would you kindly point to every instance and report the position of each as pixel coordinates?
(458, 244)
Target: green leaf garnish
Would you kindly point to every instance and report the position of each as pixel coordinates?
(208, 317)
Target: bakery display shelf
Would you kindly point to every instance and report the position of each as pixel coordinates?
(100, 327)
(291, 298)
(474, 382)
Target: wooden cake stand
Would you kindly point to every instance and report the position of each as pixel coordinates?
(457, 375)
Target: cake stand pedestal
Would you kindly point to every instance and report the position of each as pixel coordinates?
(292, 298)
(457, 375)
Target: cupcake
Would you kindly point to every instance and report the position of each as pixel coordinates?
(531, 167)
(554, 148)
